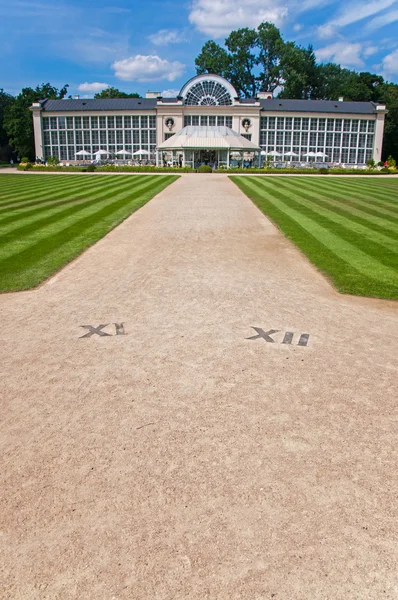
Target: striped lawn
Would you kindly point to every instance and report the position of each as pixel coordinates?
(348, 228)
(48, 220)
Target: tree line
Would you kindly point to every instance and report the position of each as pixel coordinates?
(252, 60)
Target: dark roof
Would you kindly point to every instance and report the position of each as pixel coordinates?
(247, 100)
(109, 104)
(318, 106)
(169, 100)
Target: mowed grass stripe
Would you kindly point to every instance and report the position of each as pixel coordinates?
(86, 197)
(345, 215)
(57, 191)
(347, 230)
(350, 268)
(42, 184)
(39, 260)
(345, 206)
(23, 237)
(373, 202)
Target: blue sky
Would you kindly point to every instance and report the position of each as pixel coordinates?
(141, 45)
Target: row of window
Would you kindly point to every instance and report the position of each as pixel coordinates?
(313, 138)
(69, 152)
(207, 121)
(337, 155)
(118, 122)
(317, 124)
(103, 138)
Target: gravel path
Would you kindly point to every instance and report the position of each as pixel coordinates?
(182, 460)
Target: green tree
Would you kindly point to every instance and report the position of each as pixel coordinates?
(213, 59)
(112, 92)
(5, 101)
(18, 121)
(242, 45)
(270, 46)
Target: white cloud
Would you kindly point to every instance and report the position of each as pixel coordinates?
(358, 11)
(370, 50)
(390, 64)
(96, 86)
(147, 68)
(170, 93)
(382, 20)
(297, 27)
(168, 36)
(218, 18)
(326, 31)
(344, 53)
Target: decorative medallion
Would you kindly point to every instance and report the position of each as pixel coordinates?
(170, 123)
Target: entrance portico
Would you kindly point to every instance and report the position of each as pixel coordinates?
(215, 146)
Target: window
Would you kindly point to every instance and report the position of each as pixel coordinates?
(314, 124)
(330, 125)
(135, 122)
(297, 123)
(264, 123)
(329, 139)
(322, 124)
(313, 138)
(321, 139)
(305, 123)
(94, 122)
(363, 126)
(119, 122)
(263, 138)
(221, 121)
(271, 122)
(62, 137)
(271, 138)
(208, 93)
(195, 120)
(69, 122)
(71, 138)
(204, 121)
(369, 141)
(248, 136)
(167, 136)
(127, 137)
(103, 139)
(111, 122)
(102, 122)
(86, 122)
(111, 137)
(46, 123)
(61, 123)
(279, 138)
(371, 126)
(136, 136)
(95, 137)
(152, 122)
(144, 137)
(354, 125)
(54, 138)
(347, 125)
(127, 122)
(228, 122)
(212, 121)
(346, 140)
(78, 122)
(280, 123)
(86, 137)
(288, 123)
(187, 120)
(338, 124)
(304, 138)
(152, 137)
(119, 137)
(362, 140)
(337, 140)
(144, 122)
(46, 138)
(53, 122)
(288, 138)
(354, 140)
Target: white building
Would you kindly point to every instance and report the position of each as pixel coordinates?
(208, 107)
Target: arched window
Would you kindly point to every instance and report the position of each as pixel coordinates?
(208, 91)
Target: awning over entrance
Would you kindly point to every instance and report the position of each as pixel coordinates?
(210, 138)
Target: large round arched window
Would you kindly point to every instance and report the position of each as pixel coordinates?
(208, 93)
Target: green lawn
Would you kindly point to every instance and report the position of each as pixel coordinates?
(348, 228)
(47, 220)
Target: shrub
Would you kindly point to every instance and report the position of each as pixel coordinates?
(385, 170)
(380, 163)
(205, 169)
(53, 161)
(25, 159)
(26, 166)
(371, 163)
(324, 171)
(91, 168)
(392, 163)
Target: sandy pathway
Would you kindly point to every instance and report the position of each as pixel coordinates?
(182, 461)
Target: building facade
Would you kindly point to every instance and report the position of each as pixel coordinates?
(343, 132)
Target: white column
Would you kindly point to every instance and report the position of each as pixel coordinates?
(379, 132)
(157, 158)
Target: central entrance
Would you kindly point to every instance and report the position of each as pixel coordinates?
(206, 157)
